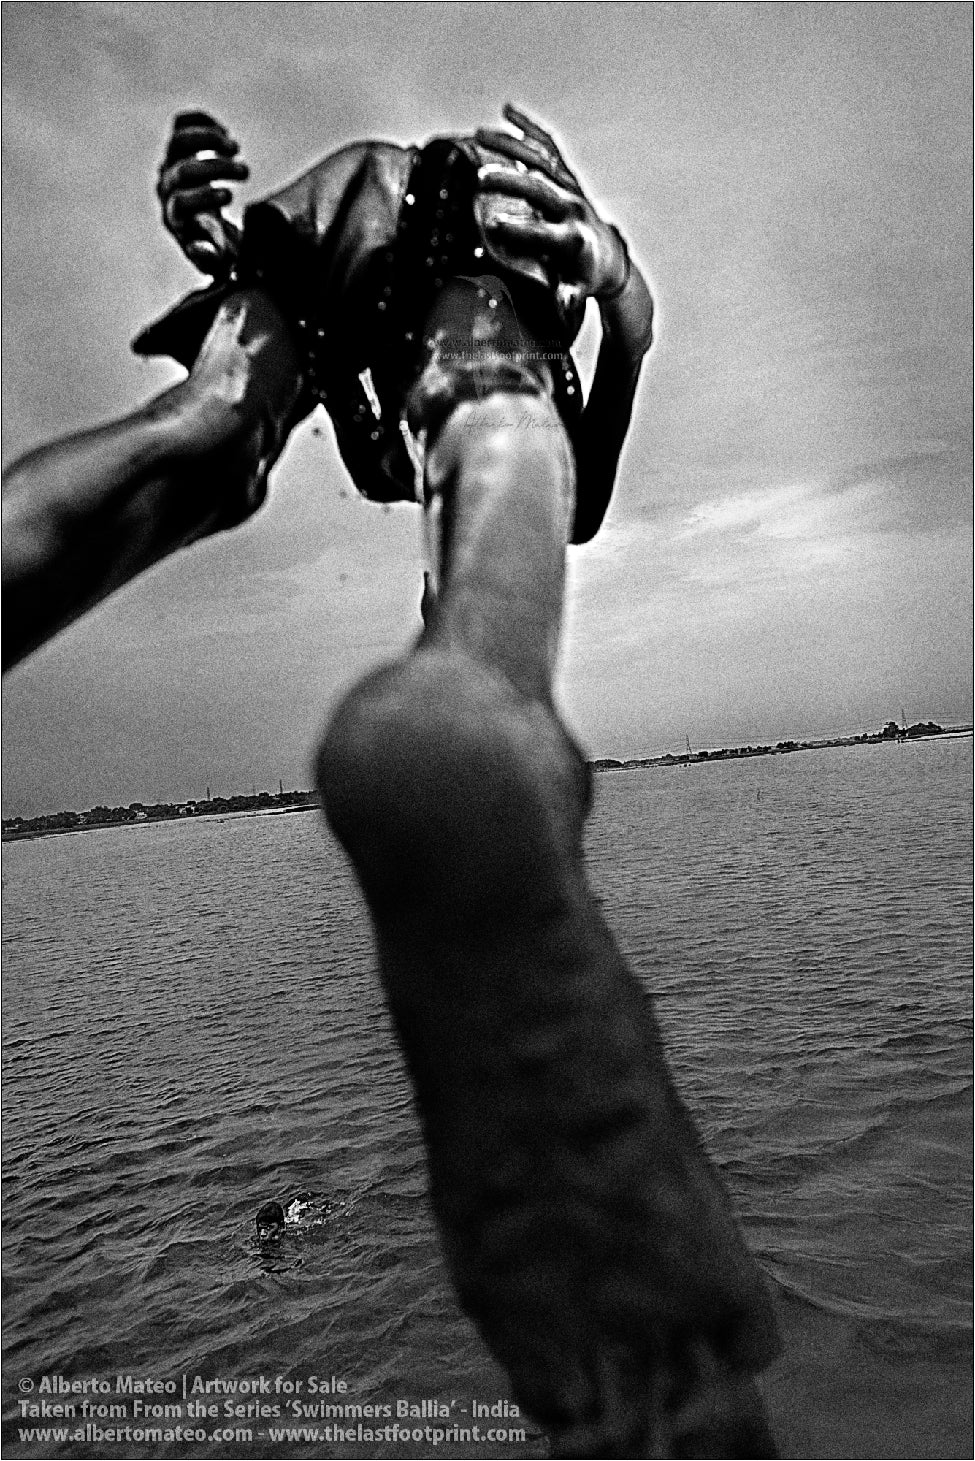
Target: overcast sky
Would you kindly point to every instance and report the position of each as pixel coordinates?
(788, 551)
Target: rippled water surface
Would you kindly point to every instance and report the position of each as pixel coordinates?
(193, 1025)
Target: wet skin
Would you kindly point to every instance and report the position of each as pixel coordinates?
(587, 1234)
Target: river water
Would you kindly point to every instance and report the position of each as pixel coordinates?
(192, 1025)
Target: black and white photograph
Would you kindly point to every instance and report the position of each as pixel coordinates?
(487, 730)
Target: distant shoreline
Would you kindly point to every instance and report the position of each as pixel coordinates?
(99, 819)
(209, 811)
(890, 735)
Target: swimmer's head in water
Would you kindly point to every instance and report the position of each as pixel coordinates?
(270, 1220)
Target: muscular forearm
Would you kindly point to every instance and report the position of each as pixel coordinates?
(49, 582)
(627, 323)
(85, 515)
(71, 540)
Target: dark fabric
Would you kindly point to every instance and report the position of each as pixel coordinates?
(505, 358)
(355, 253)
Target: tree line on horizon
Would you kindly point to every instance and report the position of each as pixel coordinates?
(891, 732)
(102, 816)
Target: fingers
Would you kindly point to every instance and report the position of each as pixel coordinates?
(542, 139)
(531, 129)
(208, 170)
(552, 201)
(197, 119)
(194, 185)
(199, 136)
(196, 171)
(202, 254)
(191, 185)
(538, 134)
(193, 188)
(541, 237)
(556, 244)
(183, 205)
(531, 155)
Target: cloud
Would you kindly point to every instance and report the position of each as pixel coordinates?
(789, 528)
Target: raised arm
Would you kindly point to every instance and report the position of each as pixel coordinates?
(589, 256)
(626, 314)
(84, 515)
